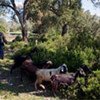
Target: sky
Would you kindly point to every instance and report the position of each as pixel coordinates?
(18, 3)
(86, 5)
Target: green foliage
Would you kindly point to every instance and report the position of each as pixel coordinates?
(61, 50)
(18, 45)
(3, 26)
(67, 49)
(73, 92)
(23, 51)
(47, 14)
(77, 57)
(5, 63)
(80, 44)
(2, 29)
(17, 38)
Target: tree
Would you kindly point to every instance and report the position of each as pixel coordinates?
(21, 14)
(50, 13)
(16, 26)
(45, 14)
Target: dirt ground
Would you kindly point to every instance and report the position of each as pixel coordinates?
(10, 37)
(12, 88)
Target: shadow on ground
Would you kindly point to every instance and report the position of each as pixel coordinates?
(13, 85)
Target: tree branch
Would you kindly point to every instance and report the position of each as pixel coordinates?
(13, 3)
(52, 9)
(26, 2)
(96, 4)
(17, 13)
(25, 13)
(7, 5)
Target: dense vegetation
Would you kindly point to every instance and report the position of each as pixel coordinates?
(77, 46)
(63, 33)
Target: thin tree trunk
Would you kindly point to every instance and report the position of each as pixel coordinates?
(24, 33)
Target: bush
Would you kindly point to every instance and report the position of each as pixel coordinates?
(73, 92)
(17, 38)
(17, 45)
(52, 46)
(73, 58)
(77, 57)
(56, 50)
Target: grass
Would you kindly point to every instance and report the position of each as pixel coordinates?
(15, 33)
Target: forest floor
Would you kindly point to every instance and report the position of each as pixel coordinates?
(11, 88)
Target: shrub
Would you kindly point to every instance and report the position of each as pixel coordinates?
(56, 50)
(17, 45)
(17, 38)
(73, 92)
(52, 46)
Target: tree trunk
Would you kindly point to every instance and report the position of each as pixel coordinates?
(24, 33)
(21, 17)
